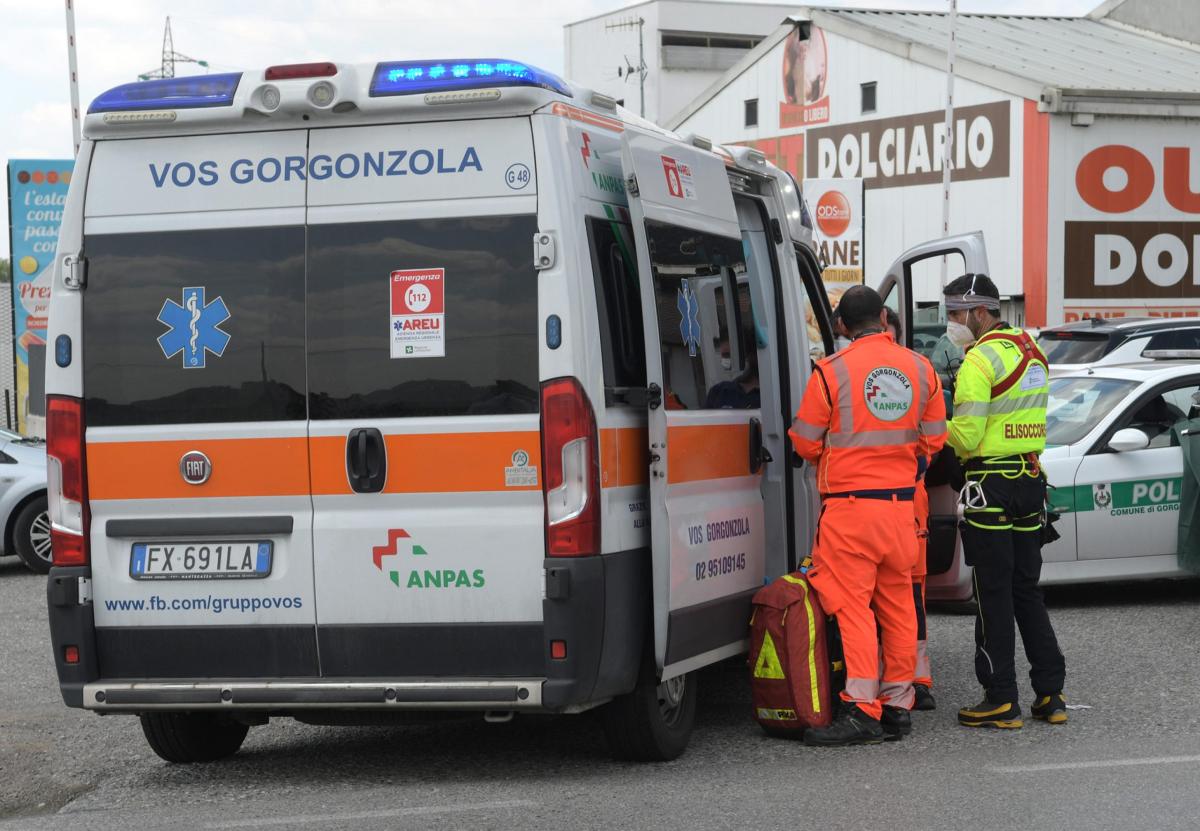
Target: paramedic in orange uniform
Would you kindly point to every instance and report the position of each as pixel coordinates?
(923, 682)
(868, 412)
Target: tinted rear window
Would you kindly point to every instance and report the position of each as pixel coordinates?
(1177, 339)
(490, 320)
(1071, 348)
(155, 326)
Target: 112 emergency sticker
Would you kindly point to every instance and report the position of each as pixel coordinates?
(680, 182)
(418, 300)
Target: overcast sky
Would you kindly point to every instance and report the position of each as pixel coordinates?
(117, 39)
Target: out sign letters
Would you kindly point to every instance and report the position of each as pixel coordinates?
(418, 300)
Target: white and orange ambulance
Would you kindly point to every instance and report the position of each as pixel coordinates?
(417, 386)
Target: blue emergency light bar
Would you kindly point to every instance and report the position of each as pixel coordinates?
(413, 77)
(170, 93)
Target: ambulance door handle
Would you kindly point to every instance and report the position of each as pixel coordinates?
(759, 454)
(366, 460)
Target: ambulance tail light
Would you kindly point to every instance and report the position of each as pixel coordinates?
(66, 481)
(571, 462)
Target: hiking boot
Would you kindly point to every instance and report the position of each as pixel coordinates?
(896, 723)
(986, 714)
(923, 698)
(1050, 708)
(852, 726)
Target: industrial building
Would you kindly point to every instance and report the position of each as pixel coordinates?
(1074, 141)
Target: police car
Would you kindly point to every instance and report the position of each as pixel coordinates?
(440, 385)
(1115, 466)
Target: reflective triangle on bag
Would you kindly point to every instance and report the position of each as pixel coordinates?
(767, 665)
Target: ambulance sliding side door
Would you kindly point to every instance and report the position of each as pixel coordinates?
(704, 412)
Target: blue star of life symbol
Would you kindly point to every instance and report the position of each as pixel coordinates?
(194, 328)
(689, 317)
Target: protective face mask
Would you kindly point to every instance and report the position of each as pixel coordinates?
(726, 364)
(959, 334)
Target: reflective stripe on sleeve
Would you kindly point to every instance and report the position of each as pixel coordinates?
(933, 428)
(971, 409)
(804, 430)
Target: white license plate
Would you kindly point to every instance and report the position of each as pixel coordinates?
(244, 560)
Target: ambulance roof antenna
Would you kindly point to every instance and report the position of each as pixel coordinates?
(640, 69)
(169, 58)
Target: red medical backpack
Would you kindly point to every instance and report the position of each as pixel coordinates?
(792, 671)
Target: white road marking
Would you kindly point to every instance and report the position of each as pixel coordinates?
(270, 822)
(1105, 763)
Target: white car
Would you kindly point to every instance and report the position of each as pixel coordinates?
(1115, 472)
(23, 518)
(1099, 342)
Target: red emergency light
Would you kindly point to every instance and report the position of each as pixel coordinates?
(288, 71)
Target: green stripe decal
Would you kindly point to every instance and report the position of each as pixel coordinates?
(1135, 496)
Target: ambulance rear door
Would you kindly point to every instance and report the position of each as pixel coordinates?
(705, 428)
(423, 371)
(194, 388)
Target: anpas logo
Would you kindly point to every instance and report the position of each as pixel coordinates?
(888, 393)
(833, 213)
(421, 578)
(194, 328)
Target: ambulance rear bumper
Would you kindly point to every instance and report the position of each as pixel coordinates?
(250, 694)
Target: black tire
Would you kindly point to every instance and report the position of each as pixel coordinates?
(31, 536)
(653, 723)
(185, 738)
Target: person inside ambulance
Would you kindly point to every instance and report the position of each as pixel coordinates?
(868, 412)
(741, 392)
(923, 682)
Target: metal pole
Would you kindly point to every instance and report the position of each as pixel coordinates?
(642, 67)
(74, 67)
(948, 145)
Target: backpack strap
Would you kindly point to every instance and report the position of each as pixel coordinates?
(1030, 353)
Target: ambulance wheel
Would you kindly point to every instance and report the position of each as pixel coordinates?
(31, 536)
(185, 738)
(653, 723)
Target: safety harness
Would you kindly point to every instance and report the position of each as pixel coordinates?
(972, 498)
(1029, 353)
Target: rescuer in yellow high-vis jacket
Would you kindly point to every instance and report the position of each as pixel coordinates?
(998, 430)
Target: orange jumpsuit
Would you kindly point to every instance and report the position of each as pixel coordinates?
(866, 415)
(920, 570)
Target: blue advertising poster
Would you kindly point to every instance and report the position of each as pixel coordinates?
(37, 192)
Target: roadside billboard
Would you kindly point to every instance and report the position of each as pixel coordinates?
(37, 191)
(836, 206)
(1125, 219)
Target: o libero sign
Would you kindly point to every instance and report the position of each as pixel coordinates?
(908, 150)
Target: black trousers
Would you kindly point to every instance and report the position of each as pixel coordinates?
(1003, 543)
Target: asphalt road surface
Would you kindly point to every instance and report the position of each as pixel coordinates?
(1131, 760)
